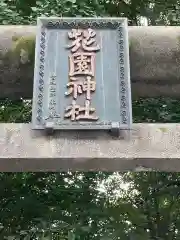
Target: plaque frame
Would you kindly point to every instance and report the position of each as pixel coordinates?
(40, 118)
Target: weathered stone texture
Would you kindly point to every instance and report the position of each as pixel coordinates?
(152, 147)
(154, 59)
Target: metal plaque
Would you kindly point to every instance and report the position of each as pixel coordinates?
(82, 74)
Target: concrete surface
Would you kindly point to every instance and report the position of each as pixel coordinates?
(152, 147)
(154, 61)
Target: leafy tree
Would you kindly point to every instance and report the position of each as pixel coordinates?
(157, 12)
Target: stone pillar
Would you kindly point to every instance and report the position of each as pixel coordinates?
(154, 60)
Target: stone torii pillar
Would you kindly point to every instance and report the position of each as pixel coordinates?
(154, 61)
(155, 71)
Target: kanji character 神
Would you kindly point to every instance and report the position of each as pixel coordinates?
(78, 87)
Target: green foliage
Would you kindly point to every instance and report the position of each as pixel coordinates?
(144, 110)
(70, 206)
(19, 111)
(67, 8)
(9, 14)
(49, 206)
(156, 110)
(56, 204)
(157, 12)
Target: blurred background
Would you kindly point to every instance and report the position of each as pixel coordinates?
(139, 12)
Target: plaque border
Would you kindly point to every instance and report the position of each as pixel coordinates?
(119, 24)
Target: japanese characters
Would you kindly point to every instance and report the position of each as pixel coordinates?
(81, 74)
